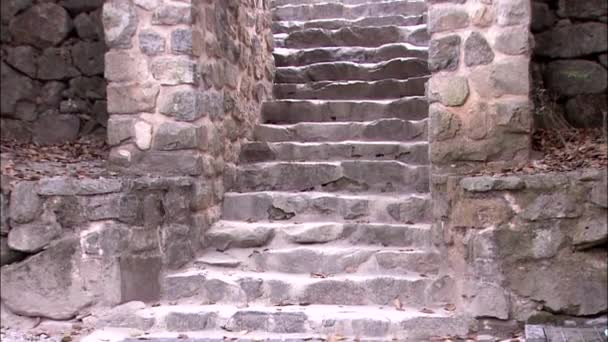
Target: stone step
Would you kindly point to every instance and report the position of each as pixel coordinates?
(264, 288)
(402, 68)
(295, 111)
(352, 90)
(335, 24)
(293, 57)
(278, 3)
(378, 130)
(220, 323)
(224, 235)
(357, 36)
(343, 176)
(324, 207)
(306, 12)
(415, 153)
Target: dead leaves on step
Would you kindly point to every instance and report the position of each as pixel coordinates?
(397, 304)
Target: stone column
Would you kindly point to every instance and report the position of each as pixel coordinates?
(480, 112)
(480, 119)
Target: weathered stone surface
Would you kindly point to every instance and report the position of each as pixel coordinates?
(120, 129)
(514, 115)
(151, 42)
(132, 98)
(448, 90)
(172, 14)
(140, 278)
(120, 23)
(184, 105)
(123, 315)
(477, 50)
(51, 95)
(23, 58)
(177, 135)
(590, 9)
(8, 255)
(587, 110)
(574, 77)
(88, 57)
(513, 12)
(444, 53)
(317, 233)
(239, 237)
(572, 40)
(443, 124)
(56, 64)
(484, 184)
(88, 26)
(490, 300)
(182, 41)
(15, 87)
(513, 41)
(542, 16)
(174, 70)
(16, 130)
(559, 205)
(445, 18)
(25, 204)
(51, 128)
(143, 134)
(504, 78)
(11, 7)
(42, 25)
(42, 287)
(590, 233)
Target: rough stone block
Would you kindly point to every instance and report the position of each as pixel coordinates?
(123, 66)
(444, 53)
(56, 64)
(53, 128)
(23, 58)
(46, 284)
(574, 77)
(120, 23)
(590, 9)
(185, 41)
(8, 255)
(448, 90)
(140, 278)
(477, 50)
(25, 205)
(587, 111)
(513, 12)
(174, 70)
(120, 129)
(89, 26)
(42, 25)
(173, 14)
(151, 43)
(575, 40)
(505, 78)
(183, 105)
(490, 300)
(446, 18)
(177, 136)
(88, 57)
(132, 98)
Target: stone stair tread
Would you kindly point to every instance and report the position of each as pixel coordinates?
(279, 3)
(398, 68)
(296, 111)
(348, 11)
(297, 57)
(414, 153)
(385, 89)
(333, 24)
(377, 130)
(355, 36)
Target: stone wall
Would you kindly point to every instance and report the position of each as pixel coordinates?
(527, 247)
(52, 68)
(570, 60)
(68, 244)
(186, 82)
(480, 112)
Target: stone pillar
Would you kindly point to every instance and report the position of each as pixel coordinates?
(480, 112)
(186, 81)
(480, 119)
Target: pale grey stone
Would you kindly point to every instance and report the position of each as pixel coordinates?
(590, 233)
(132, 98)
(172, 14)
(120, 23)
(25, 204)
(513, 12)
(177, 136)
(151, 42)
(181, 41)
(8, 255)
(444, 53)
(559, 205)
(33, 237)
(477, 50)
(449, 91)
(445, 18)
(174, 70)
(490, 300)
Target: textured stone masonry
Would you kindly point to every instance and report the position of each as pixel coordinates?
(53, 89)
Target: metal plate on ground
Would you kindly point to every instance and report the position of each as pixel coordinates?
(540, 333)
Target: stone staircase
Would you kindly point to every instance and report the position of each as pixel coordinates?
(327, 229)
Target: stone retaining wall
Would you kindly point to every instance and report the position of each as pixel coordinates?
(526, 247)
(52, 68)
(87, 242)
(570, 60)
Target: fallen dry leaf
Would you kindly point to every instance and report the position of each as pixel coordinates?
(397, 304)
(427, 311)
(450, 307)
